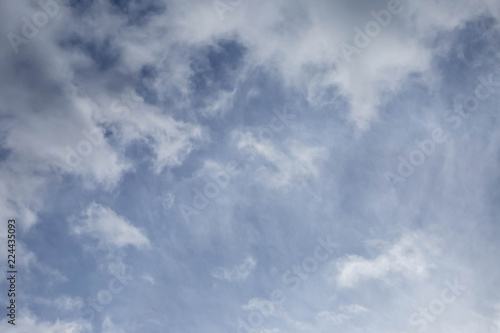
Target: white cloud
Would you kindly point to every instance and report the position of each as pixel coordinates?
(353, 308)
(110, 229)
(263, 306)
(302, 42)
(293, 166)
(28, 322)
(299, 40)
(336, 319)
(496, 320)
(410, 257)
(148, 278)
(67, 303)
(50, 93)
(171, 141)
(63, 303)
(347, 312)
(238, 273)
(31, 264)
(108, 326)
(21, 197)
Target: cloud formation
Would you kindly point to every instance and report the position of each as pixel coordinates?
(275, 126)
(110, 229)
(237, 273)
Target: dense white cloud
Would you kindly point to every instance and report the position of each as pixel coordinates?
(299, 40)
(294, 38)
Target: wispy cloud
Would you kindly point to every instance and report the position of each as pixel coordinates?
(110, 229)
(410, 256)
(237, 273)
(150, 136)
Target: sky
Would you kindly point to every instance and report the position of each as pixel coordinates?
(250, 166)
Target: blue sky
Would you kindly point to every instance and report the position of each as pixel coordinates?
(251, 166)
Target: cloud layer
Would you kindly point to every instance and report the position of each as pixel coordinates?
(171, 165)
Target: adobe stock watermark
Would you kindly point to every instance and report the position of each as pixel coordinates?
(95, 137)
(484, 90)
(30, 26)
(372, 29)
(417, 156)
(104, 296)
(292, 278)
(428, 314)
(220, 179)
(223, 7)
